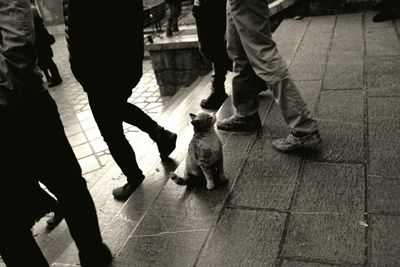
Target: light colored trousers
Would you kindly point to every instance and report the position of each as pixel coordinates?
(254, 53)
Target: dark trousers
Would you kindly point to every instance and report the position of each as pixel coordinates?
(35, 148)
(211, 27)
(50, 70)
(175, 9)
(110, 110)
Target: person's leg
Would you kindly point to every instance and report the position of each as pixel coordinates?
(55, 74)
(165, 140)
(178, 11)
(108, 112)
(244, 85)
(251, 19)
(211, 27)
(17, 245)
(172, 11)
(61, 173)
(19, 248)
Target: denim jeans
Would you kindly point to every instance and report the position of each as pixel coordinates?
(254, 53)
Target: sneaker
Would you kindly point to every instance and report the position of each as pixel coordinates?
(166, 143)
(236, 123)
(97, 258)
(291, 142)
(213, 101)
(124, 192)
(55, 220)
(55, 82)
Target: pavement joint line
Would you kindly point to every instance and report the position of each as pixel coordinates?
(344, 89)
(171, 233)
(349, 162)
(389, 214)
(233, 207)
(366, 141)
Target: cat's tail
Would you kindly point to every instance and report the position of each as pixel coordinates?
(176, 179)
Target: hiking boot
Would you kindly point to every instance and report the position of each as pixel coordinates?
(213, 101)
(166, 143)
(55, 220)
(241, 124)
(292, 143)
(97, 258)
(55, 82)
(124, 192)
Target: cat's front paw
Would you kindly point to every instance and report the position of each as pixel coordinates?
(210, 185)
(178, 180)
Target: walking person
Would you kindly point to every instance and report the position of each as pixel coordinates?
(175, 9)
(43, 42)
(211, 27)
(254, 53)
(108, 69)
(43, 155)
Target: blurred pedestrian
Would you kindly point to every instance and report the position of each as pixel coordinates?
(43, 42)
(108, 69)
(35, 148)
(175, 9)
(211, 27)
(254, 53)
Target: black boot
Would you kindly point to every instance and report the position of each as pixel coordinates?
(166, 142)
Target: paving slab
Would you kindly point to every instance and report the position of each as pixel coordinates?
(267, 179)
(382, 42)
(165, 249)
(383, 77)
(383, 195)
(345, 70)
(326, 237)
(340, 117)
(309, 64)
(329, 187)
(348, 34)
(288, 37)
(244, 238)
(384, 234)
(384, 144)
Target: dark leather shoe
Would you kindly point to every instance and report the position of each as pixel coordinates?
(55, 82)
(383, 16)
(124, 192)
(166, 143)
(55, 220)
(213, 101)
(240, 124)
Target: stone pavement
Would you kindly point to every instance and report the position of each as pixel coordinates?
(338, 206)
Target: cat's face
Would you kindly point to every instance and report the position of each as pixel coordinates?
(202, 121)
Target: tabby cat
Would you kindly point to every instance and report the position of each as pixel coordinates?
(204, 157)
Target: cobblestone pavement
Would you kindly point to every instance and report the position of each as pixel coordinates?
(80, 127)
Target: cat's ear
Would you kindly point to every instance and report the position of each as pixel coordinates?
(211, 120)
(192, 116)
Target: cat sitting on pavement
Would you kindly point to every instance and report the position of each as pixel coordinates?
(205, 157)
